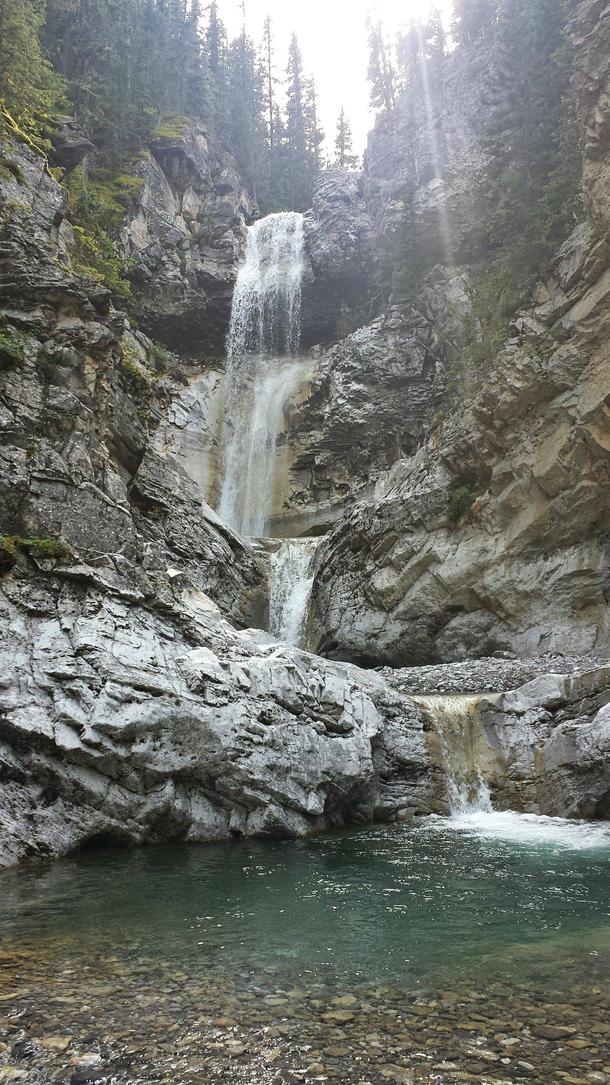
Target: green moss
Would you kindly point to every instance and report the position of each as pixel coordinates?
(12, 348)
(97, 207)
(460, 504)
(42, 549)
(8, 552)
(136, 378)
(172, 126)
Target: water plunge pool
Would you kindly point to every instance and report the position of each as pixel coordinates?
(477, 946)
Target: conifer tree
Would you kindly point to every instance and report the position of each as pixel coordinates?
(297, 162)
(344, 155)
(472, 19)
(314, 136)
(29, 88)
(380, 72)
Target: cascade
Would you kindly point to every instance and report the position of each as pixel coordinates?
(291, 582)
(455, 723)
(263, 373)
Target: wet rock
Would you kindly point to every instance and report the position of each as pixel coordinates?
(185, 237)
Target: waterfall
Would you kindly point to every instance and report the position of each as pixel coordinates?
(263, 374)
(455, 719)
(290, 582)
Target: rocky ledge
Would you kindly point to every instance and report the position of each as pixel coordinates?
(130, 724)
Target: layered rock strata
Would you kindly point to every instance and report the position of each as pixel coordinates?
(495, 535)
(184, 238)
(126, 723)
(81, 399)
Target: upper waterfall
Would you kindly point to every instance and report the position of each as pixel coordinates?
(266, 311)
(263, 373)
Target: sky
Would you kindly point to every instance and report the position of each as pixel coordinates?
(332, 36)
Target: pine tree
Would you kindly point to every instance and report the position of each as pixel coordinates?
(531, 135)
(297, 162)
(314, 136)
(472, 19)
(245, 126)
(344, 155)
(29, 88)
(269, 78)
(217, 57)
(380, 72)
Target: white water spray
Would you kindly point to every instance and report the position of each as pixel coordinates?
(291, 581)
(263, 375)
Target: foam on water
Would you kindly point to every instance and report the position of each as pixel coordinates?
(532, 830)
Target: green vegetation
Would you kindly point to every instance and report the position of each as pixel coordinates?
(12, 347)
(30, 89)
(171, 126)
(136, 378)
(140, 69)
(97, 208)
(40, 549)
(460, 503)
(528, 127)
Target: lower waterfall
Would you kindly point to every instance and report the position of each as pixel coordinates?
(455, 724)
(290, 584)
(256, 465)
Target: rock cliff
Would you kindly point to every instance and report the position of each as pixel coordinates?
(494, 536)
(125, 723)
(184, 237)
(81, 400)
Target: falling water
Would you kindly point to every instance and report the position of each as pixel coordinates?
(263, 374)
(291, 582)
(455, 723)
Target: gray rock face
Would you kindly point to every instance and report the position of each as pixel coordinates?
(185, 237)
(494, 535)
(426, 165)
(129, 724)
(370, 401)
(80, 407)
(548, 745)
(338, 246)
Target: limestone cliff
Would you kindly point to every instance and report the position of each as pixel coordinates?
(494, 536)
(133, 704)
(82, 396)
(184, 236)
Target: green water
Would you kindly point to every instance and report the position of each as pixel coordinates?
(377, 904)
(471, 950)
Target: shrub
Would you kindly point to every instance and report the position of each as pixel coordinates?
(12, 348)
(136, 378)
(460, 504)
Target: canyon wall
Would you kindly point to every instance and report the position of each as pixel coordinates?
(494, 536)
